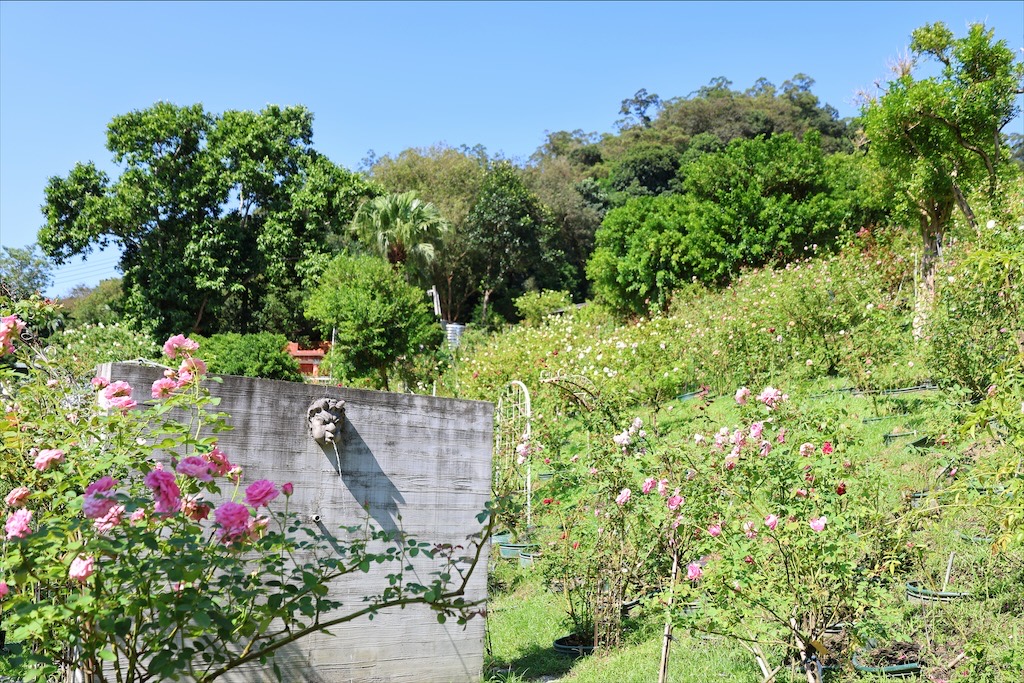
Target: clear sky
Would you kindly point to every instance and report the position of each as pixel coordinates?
(388, 76)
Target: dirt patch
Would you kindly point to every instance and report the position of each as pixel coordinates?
(893, 654)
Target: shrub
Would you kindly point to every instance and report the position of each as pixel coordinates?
(533, 307)
(976, 324)
(251, 355)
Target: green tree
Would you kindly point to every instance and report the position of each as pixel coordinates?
(213, 213)
(263, 354)
(403, 229)
(93, 305)
(24, 272)
(938, 139)
(513, 245)
(450, 179)
(374, 316)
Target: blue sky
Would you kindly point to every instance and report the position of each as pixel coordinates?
(388, 76)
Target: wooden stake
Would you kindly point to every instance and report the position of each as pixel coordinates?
(663, 669)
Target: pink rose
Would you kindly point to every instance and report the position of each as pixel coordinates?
(649, 484)
(623, 496)
(826, 448)
(192, 366)
(47, 457)
(82, 568)
(748, 529)
(4, 589)
(138, 515)
(261, 492)
(801, 493)
(288, 489)
(233, 519)
(97, 501)
(16, 498)
(715, 530)
(771, 521)
(117, 395)
(195, 510)
(766, 447)
(100, 382)
(781, 438)
(674, 501)
(179, 342)
(110, 520)
(166, 493)
(806, 449)
(663, 487)
(17, 525)
(219, 461)
(694, 571)
(195, 467)
(742, 394)
(163, 387)
(755, 430)
(818, 523)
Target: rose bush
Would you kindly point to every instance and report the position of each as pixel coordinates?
(128, 551)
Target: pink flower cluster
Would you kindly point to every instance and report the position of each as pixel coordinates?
(165, 490)
(189, 369)
(10, 327)
(625, 438)
(48, 457)
(17, 524)
(117, 396)
(772, 397)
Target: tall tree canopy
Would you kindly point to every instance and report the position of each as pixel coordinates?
(937, 139)
(219, 217)
(24, 272)
(403, 229)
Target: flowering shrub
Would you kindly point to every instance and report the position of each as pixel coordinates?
(133, 548)
(774, 527)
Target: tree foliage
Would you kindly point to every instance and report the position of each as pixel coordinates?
(403, 229)
(374, 316)
(216, 215)
(759, 201)
(938, 139)
(251, 355)
(24, 272)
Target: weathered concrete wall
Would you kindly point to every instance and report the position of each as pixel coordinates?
(424, 460)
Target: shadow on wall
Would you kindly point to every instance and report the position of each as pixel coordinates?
(353, 460)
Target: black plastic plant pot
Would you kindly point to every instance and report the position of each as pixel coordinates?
(915, 593)
(568, 645)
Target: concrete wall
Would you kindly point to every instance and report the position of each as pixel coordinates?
(424, 460)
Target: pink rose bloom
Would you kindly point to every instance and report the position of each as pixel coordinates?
(138, 515)
(16, 498)
(766, 447)
(166, 493)
(47, 457)
(649, 485)
(826, 448)
(818, 523)
(731, 460)
(179, 342)
(742, 394)
(738, 438)
(233, 519)
(806, 449)
(117, 395)
(110, 520)
(755, 430)
(256, 528)
(10, 327)
(698, 439)
(17, 525)
(748, 529)
(663, 487)
(801, 493)
(219, 461)
(781, 438)
(100, 382)
(4, 589)
(262, 491)
(694, 571)
(715, 530)
(195, 467)
(771, 521)
(674, 501)
(163, 387)
(288, 489)
(82, 568)
(991, 391)
(623, 439)
(772, 397)
(193, 366)
(97, 501)
(623, 496)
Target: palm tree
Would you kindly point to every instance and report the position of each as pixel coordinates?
(403, 229)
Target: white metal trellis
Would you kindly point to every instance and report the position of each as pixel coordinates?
(512, 427)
